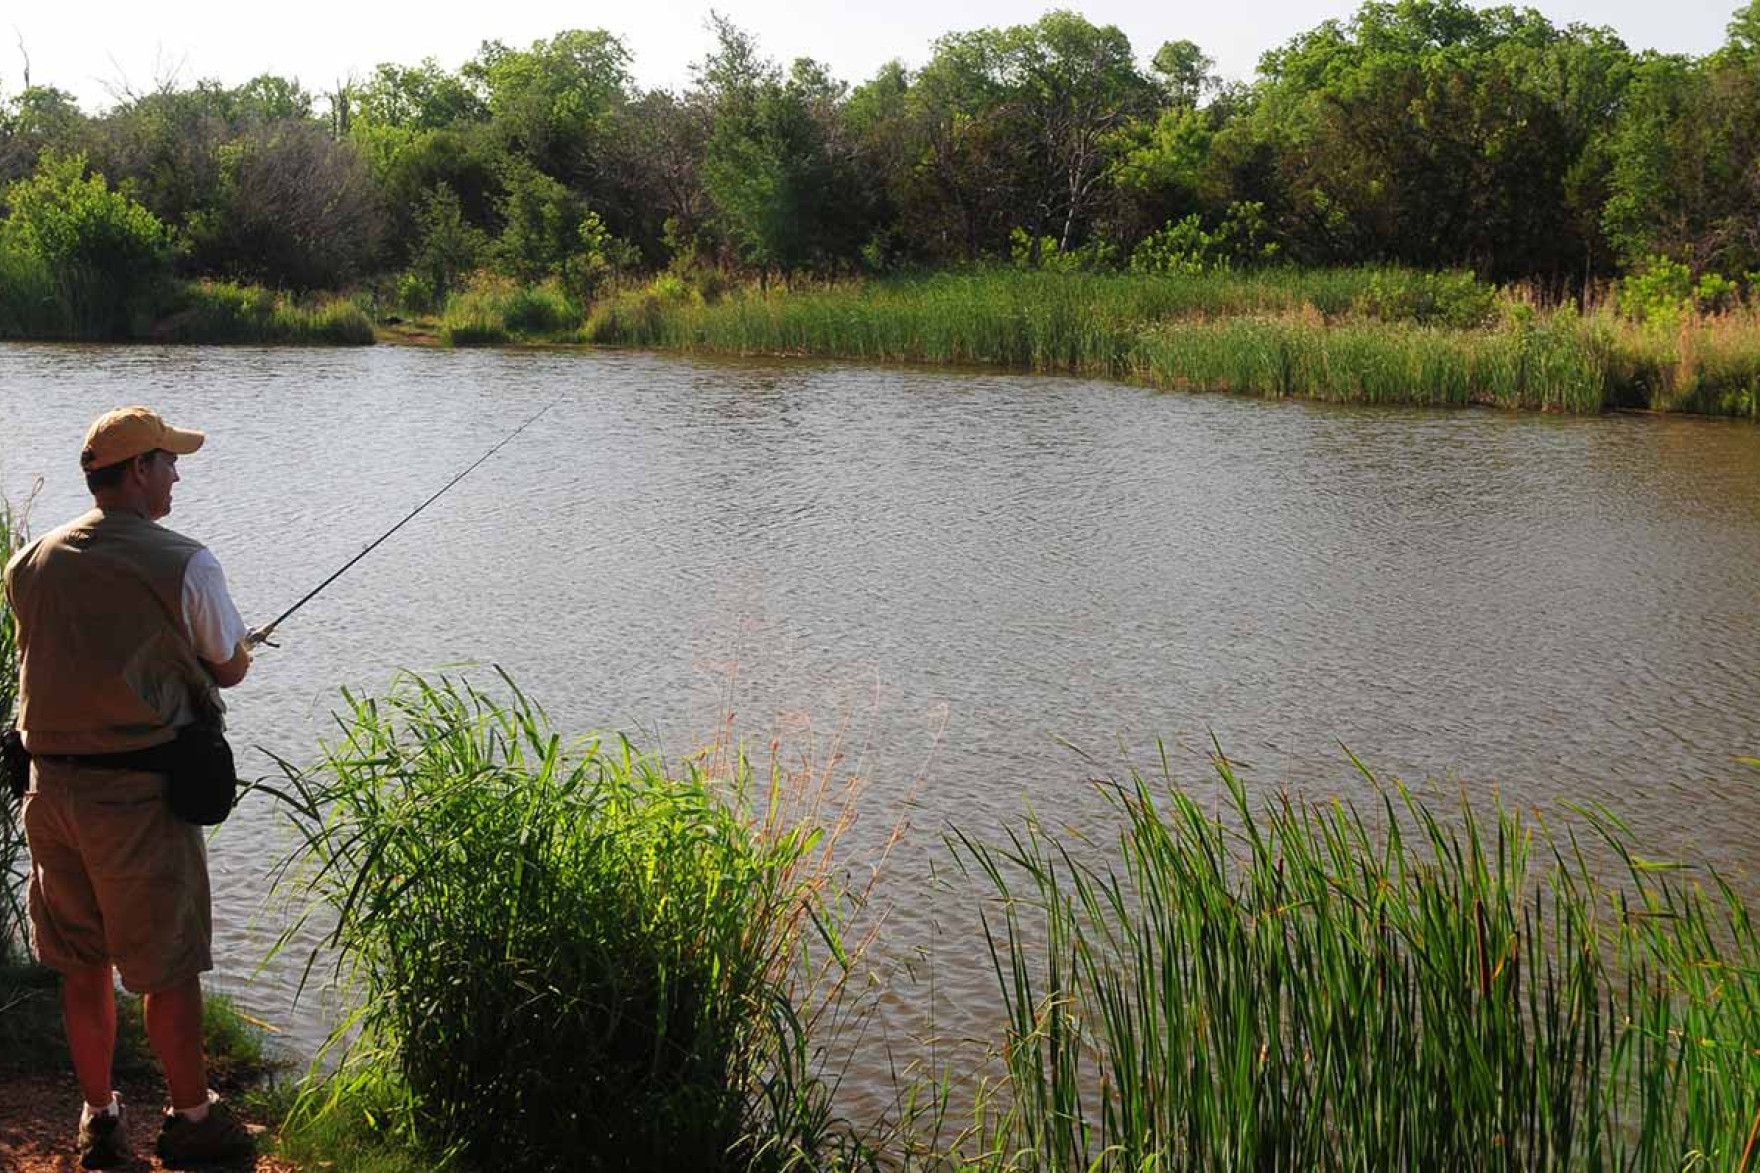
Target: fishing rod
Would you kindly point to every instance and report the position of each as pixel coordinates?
(261, 635)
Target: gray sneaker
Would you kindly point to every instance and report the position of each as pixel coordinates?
(220, 1136)
(103, 1141)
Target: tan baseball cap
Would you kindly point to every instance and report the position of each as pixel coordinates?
(126, 432)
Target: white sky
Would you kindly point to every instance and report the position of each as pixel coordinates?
(90, 47)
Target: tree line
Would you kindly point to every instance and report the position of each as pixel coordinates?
(1421, 132)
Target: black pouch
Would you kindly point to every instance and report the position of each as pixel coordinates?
(204, 780)
(15, 763)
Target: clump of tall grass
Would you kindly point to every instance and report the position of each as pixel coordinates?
(14, 857)
(495, 310)
(67, 303)
(1306, 987)
(1708, 364)
(218, 312)
(567, 957)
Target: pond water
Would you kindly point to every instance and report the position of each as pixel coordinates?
(961, 572)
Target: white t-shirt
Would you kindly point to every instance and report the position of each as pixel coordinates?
(215, 626)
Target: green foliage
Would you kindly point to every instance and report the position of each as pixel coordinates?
(221, 312)
(565, 957)
(1312, 986)
(1683, 158)
(294, 208)
(1661, 291)
(105, 254)
(495, 310)
(1455, 299)
(447, 247)
(551, 104)
(1186, 247)
(599, 257)
(418, 97)
(782, 196)
(14, 858)
(1045, 253)
(1715, 293)
(542, 225)
(415, 294)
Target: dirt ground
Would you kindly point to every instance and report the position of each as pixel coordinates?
(39, 1115)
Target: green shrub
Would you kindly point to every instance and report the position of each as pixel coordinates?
(536, 310)
(1660, 291)
(467, 329)
(103, 256)
(415, 294)
(1241, 240)
(1715, 293)
(218, 312)
(1457, 300)
(565, 959)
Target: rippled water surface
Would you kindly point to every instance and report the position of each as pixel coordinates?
(965, 570)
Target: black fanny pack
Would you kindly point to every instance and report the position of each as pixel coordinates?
(204, 781)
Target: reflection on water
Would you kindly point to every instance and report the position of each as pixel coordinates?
(1563, 609)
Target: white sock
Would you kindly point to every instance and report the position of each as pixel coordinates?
(198, 1113)
(87, 1111)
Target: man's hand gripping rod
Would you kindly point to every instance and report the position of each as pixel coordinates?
(261, 635)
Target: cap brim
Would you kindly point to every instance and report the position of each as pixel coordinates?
(181, 442)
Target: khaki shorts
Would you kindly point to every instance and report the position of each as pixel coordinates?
(116, 878)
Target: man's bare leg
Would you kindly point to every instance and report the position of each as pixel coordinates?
(88, 1009)
(174, 1027)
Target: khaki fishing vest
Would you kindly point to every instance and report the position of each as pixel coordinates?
(105, 660)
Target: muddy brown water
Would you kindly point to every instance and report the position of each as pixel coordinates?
(960, 571)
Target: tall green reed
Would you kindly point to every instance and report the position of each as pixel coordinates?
(14, 857)
(568, 956)
(1363, 335)
(1302, 987)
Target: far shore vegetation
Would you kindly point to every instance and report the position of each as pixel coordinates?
(1424, 203)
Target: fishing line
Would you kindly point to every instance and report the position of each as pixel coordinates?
(262, 634)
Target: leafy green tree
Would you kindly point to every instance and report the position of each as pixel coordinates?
(166, 145)
(599, 256)
(651, 172)
(417, 97)
(269, 98)
(1018, 127)
(465, 159)
(553, 102)
(40, 118)
(541, 224)
(104, 249)
(448, 246)
(1183, 71)
(774, 167)
(1430, 132)
(1686, 164)
(1744, 33)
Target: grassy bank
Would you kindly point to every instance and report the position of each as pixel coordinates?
(1351, 335)
(220, 313)
(40, 305)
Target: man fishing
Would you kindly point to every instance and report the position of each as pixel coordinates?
(124, 630)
